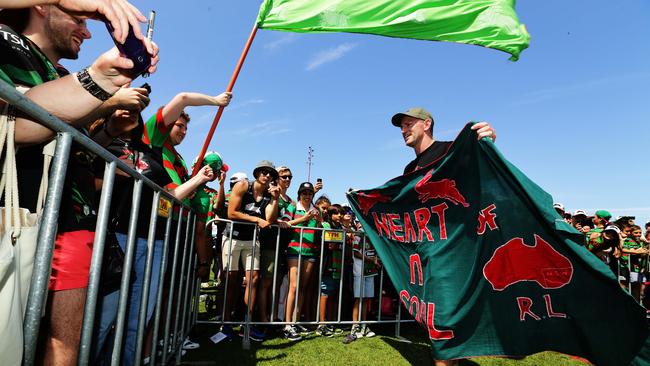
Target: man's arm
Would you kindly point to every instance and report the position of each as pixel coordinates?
(271, 210)
(68, 100)
(186, 189)
(236, 196)
(220, 202)
(173, 109)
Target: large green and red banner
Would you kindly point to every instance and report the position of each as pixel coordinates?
(482, 261)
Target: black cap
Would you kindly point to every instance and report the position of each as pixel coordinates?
(306, 186)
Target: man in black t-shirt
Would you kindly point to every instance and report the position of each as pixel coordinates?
(417, 129)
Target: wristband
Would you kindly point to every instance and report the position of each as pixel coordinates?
(91, 87)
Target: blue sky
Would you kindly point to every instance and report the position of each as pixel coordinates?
(572, 113)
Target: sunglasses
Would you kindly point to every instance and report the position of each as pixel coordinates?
(286, 177)
(265, 172)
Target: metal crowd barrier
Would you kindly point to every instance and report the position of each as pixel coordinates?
(247, 321)
(640, 278)
(183, 281)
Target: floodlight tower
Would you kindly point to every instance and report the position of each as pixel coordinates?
(310, 162)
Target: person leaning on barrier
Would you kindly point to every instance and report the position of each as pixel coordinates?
(130, 148)
(165, 130)
(268, 243)
(331, 271)
(634, 261)
(302, 255)
(30, 59)
(606, 245)
(256, 203)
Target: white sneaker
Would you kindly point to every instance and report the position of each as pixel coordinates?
(368, 333)
(190, 345)
(357, 331)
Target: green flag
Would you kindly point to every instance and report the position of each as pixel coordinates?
(481, 259)
(487, 23)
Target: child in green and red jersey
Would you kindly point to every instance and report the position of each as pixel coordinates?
(366, 267)
(332, 264)
(634, 260)
(302, 254)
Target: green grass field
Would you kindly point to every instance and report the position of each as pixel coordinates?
(383, 349)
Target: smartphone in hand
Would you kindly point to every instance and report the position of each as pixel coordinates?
(134, 50)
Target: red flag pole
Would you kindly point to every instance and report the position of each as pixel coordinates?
(233, 79)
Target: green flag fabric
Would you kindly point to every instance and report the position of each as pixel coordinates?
(487, 23)
(483, 262)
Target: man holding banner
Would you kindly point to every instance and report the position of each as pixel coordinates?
(416, 125)
(481, 259)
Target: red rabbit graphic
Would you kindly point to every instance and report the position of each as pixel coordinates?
(445, 188)
(367, 200)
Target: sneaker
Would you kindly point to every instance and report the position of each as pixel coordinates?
(334, 330)
(302, 330)
(357, 330)
(188, 344)
(256, 335)
(368, 333)
(349, 338)
(324, 331)
(227, 331)
(291, 333)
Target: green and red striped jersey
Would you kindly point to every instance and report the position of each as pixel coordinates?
(156, 135)
(308, 247)
(639, 261)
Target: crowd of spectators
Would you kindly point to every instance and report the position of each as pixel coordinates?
(100, 102)
(620, 243)
(288, 246)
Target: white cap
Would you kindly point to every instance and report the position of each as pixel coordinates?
(558, 206)
(613, 228)
(239, 176)
(580, 212)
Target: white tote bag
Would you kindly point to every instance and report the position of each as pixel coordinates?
(18, 234)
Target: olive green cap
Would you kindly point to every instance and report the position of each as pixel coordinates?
(416, 112)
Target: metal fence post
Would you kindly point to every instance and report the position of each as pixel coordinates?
(246, 342)
(96, 265)
(179, 228)
(184, 261)
(146, 281)
(191, 256)
(125, 284)
(275, 275)
(43, 255)
(161, 280)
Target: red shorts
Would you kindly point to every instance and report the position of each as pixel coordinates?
(71, 260)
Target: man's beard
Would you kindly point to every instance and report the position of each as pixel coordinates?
(61, 43)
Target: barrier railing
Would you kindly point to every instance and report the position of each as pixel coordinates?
(342, 237)
(182, 281)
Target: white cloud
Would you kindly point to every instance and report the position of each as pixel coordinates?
(329, 55)
(246, 103)
(282, 41)
(268, 128)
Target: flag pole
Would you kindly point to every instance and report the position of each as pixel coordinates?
(233, 79)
